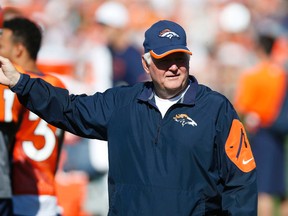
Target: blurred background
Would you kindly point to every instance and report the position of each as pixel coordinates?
(95, 44)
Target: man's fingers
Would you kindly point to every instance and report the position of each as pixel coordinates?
(8, 74)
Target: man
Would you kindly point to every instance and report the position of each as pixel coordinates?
(261, 99)
(114, 18)
(37, 144)
(175, 146)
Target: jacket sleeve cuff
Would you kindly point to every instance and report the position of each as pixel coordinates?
(18, 88)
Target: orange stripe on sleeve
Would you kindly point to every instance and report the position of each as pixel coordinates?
(238, 148)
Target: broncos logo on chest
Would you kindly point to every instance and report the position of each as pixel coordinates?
(184, 119)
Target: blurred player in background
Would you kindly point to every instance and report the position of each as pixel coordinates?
(126, 55)
(260, 98)
(37, 145)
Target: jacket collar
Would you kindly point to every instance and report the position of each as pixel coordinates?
(189, 98)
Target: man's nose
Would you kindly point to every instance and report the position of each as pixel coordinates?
(173, 66)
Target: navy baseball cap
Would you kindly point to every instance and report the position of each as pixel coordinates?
(165, 37)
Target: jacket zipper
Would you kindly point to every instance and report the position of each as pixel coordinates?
(157, 135)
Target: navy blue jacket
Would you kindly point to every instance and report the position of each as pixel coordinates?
(187, 163)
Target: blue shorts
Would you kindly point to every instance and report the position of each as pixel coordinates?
(269, 152)
(6, 208)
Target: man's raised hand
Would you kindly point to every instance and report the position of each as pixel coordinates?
(9, 76)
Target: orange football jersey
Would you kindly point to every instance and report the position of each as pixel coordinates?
(36, 151)
(261, 90)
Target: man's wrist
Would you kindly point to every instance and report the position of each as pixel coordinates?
(14, 82)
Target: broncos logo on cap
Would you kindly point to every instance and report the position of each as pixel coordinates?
(184, 119)
(168, 33)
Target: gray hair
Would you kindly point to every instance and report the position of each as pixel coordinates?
(147, 57)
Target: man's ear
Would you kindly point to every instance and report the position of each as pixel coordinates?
(19, 49)
(145, 65)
